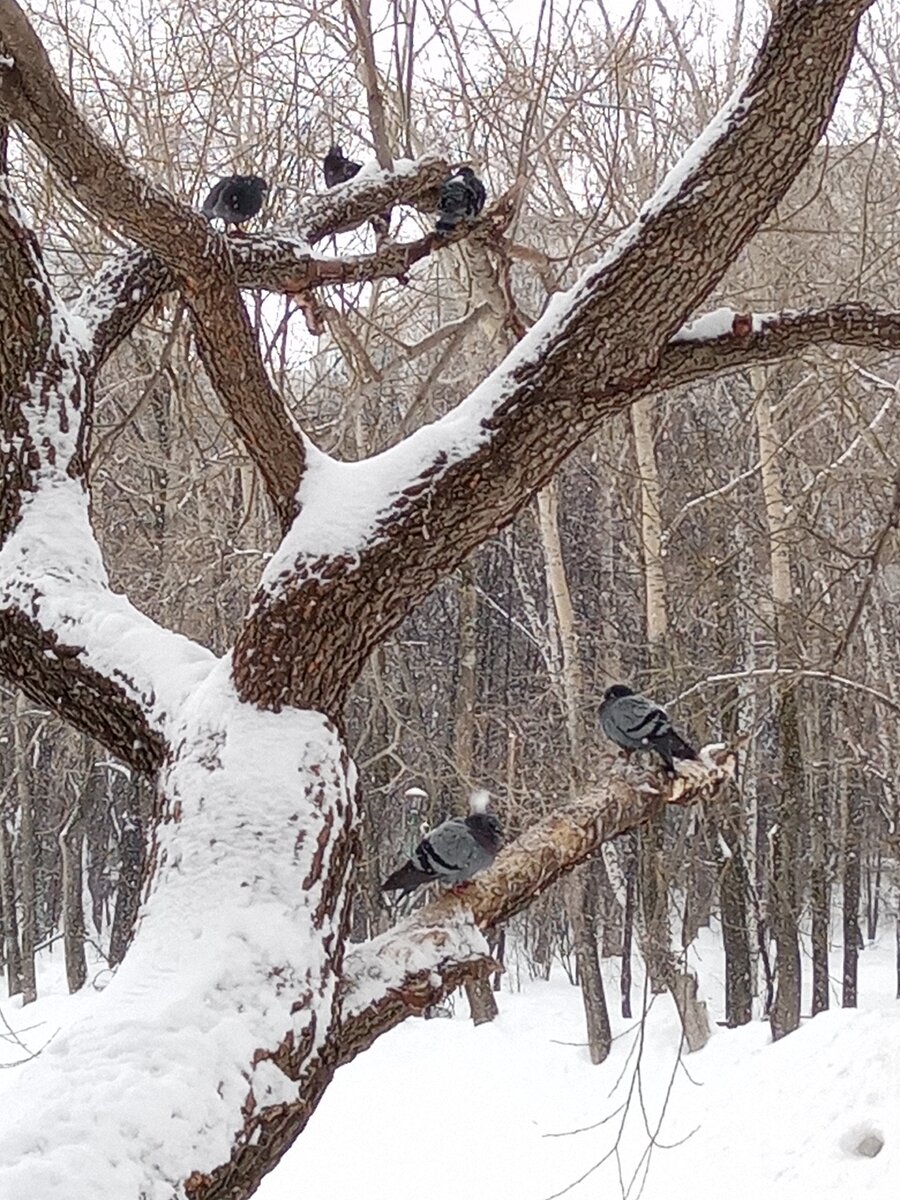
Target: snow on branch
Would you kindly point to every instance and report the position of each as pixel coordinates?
(282, 260)
(427, 955)
(444, 933)
(69, 641)
(375, 536)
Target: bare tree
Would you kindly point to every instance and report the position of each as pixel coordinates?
(258, 809)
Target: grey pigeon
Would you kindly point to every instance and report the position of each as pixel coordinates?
(452, 852)
(462, 196)
(235, 199)
(337, 168)
(636, 723)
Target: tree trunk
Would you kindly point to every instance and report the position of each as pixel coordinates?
(873, 896)
(25, 854)
(71, 841)
(733, 885)
(12, 952)
(852, 847)
(819, 898)
(480, 995)
(584, 933)
(632, 855)
(589, 977)
(128, 893)
(784, 900)
(789, 788)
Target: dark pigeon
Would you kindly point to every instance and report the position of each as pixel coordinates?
(454, 851)
(635, 723)
(338, 169)
(235, 199)
(462, 196)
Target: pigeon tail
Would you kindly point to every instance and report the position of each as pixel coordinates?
(670, 745)
(406, 877)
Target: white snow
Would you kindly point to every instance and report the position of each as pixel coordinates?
(479, 800)
(719, 322)
(52, 569)
(793, 1121)
(160, 1062)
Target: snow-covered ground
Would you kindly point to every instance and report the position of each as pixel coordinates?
(515, 1111)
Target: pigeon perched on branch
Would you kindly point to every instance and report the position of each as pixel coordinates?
(452, 852)
(462, 196)
(235, 199)
(337, 168)
(635, 723)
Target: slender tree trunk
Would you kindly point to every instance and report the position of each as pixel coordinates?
(657, 940)
(482, 1004)
(13, 953)
(783, 898)
(631, 878)
(852, 847)
(577, 907)
(589, 977)
(733, 885)
(128, 893)
(71, 841)
(25, 854)
(819, 899)
(873, 896)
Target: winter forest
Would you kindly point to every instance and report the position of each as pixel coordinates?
(312, 528)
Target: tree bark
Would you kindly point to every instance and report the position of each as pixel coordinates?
(71, 845)
(482, 1005)
(599, 1034)
(584, 932)
(12, 952)
(819, 899)
(851, 896)
(25, 858)
(789, 786)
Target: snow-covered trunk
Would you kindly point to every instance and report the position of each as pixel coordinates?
(222, 1009)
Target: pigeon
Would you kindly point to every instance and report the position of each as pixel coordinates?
(338, 169)
(636, 723)
(235, 199)
(462, 196)
(452, 852)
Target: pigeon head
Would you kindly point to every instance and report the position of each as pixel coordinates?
(617, 691)
(336, 151)
(486, 830)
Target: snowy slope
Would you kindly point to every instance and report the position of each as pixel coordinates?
(442, 1109)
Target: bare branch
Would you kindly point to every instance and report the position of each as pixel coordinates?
(455, 483)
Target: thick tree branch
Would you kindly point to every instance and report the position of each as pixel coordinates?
(172, 232)
(65, 639)
(347, 578)
(426, 956)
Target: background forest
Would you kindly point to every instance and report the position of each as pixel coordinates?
(730, 549)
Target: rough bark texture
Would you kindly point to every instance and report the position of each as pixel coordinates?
(852, 865)
(25, 858)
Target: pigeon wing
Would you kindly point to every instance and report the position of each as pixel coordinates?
(451, 851)
(640, 719)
